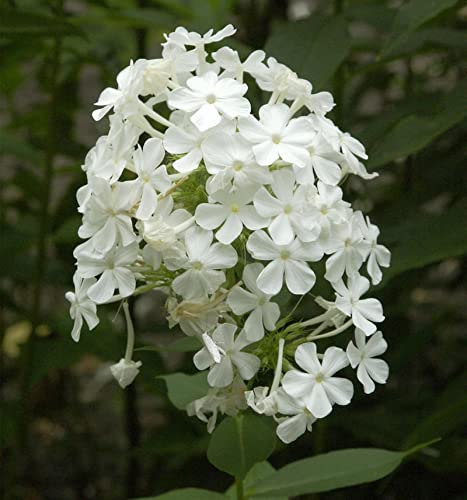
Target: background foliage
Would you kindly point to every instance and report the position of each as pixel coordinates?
(397, 71)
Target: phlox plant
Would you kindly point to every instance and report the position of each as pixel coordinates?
(235, 215)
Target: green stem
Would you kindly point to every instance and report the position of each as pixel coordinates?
(239, 489)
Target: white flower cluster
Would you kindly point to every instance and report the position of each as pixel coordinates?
(191, 193)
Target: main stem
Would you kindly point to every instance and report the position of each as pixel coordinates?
(239, 489)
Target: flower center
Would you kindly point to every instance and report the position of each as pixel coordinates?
(288, 209)
(197, 266)
(211, 99)
(237, 166)
(319, 378)
(235, 208)
(285, 254)
(276, 138)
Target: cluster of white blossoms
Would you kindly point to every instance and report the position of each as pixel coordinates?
(222, 208)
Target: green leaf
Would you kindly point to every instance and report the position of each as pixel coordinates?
(240, 442)
(183, 389)
(187, 494)
(330, 471)
(411, 133)
(14, 23)
(259, 471)
(425, 239)
(409, 18)
(314, 47)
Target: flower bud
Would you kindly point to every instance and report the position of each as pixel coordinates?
(125, 372)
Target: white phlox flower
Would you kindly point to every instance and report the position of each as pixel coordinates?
(286, 209)
(230, 209)
(276, 136)
(364, 312)
(209, 98)
(203, 263)
(263, 313)
(230, 160)
(222, 353)
(81, 306)
(152, 177)
(316, 385)
(362, 356)
(288, 263)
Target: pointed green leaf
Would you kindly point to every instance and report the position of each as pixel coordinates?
(330, 471)
(301, 46)
(238, 443)
(424, 239)
(410, 17)
(183, 389)
(410, 133)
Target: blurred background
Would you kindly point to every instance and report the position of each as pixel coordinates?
(397, 71)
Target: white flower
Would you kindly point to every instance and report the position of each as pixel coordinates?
(254, 301)
(362, 355)
(348, 249)
(286, 209)
(125, 371)
(327, 208)
(202, 263)
(100, 162)
(209, 98)
(229, 60)
(114, 269)
(82, 307)
(152, 178)
(124, 99)
(364, 312)
(379, 256)
(106, 218)
(277, 78)
(288, 261)
(195, 316)
(323, 160)
(233, 211)
(166, 225)
(299, 418)
(229, 401)
(317, 387)
(274, 136)
(184, 138)
(230, 158)
(222, 353)
(181, 36)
